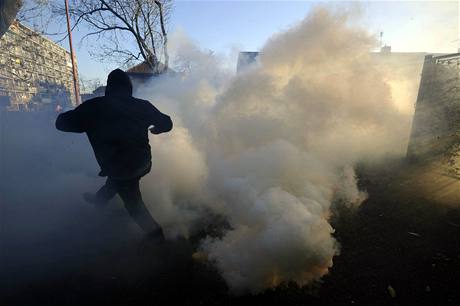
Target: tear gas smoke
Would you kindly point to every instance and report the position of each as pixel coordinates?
(271, 149)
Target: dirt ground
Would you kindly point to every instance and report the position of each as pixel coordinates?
(401, 247)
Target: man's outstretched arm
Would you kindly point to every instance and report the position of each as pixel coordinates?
(162, 123)
(72, 121)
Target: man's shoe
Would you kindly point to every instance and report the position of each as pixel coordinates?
(93, 199)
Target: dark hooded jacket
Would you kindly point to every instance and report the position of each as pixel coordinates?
(117, 128)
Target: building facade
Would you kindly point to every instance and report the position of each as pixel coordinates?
(436, 124)
(35, 72)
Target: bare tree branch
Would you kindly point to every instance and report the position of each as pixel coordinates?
(163, 32)
(122, 31)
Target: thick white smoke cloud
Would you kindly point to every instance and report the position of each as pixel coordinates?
(272, 148)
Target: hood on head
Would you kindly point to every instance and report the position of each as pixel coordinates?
(118, 83)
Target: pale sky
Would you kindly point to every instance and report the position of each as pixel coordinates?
(223, 26)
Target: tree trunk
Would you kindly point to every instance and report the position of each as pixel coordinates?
(8, 11)
(164, 34)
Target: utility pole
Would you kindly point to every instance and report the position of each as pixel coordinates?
(72, 55)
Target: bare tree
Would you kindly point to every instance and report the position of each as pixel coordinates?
(34, 13)
(126, 31)
(37, 15)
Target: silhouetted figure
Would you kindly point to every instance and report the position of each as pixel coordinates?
(117, 127)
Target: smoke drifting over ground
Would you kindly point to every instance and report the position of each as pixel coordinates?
(273, 148)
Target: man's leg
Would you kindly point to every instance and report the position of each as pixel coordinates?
(107, 192)
(130, 193)
(103, 195)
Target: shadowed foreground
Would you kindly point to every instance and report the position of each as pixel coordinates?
(394, 240)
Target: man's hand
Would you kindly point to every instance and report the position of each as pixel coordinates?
(155, 130)
(162, 125)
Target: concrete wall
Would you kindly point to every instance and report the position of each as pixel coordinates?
(436, 124)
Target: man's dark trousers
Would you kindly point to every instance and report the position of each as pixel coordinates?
(129, 191)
